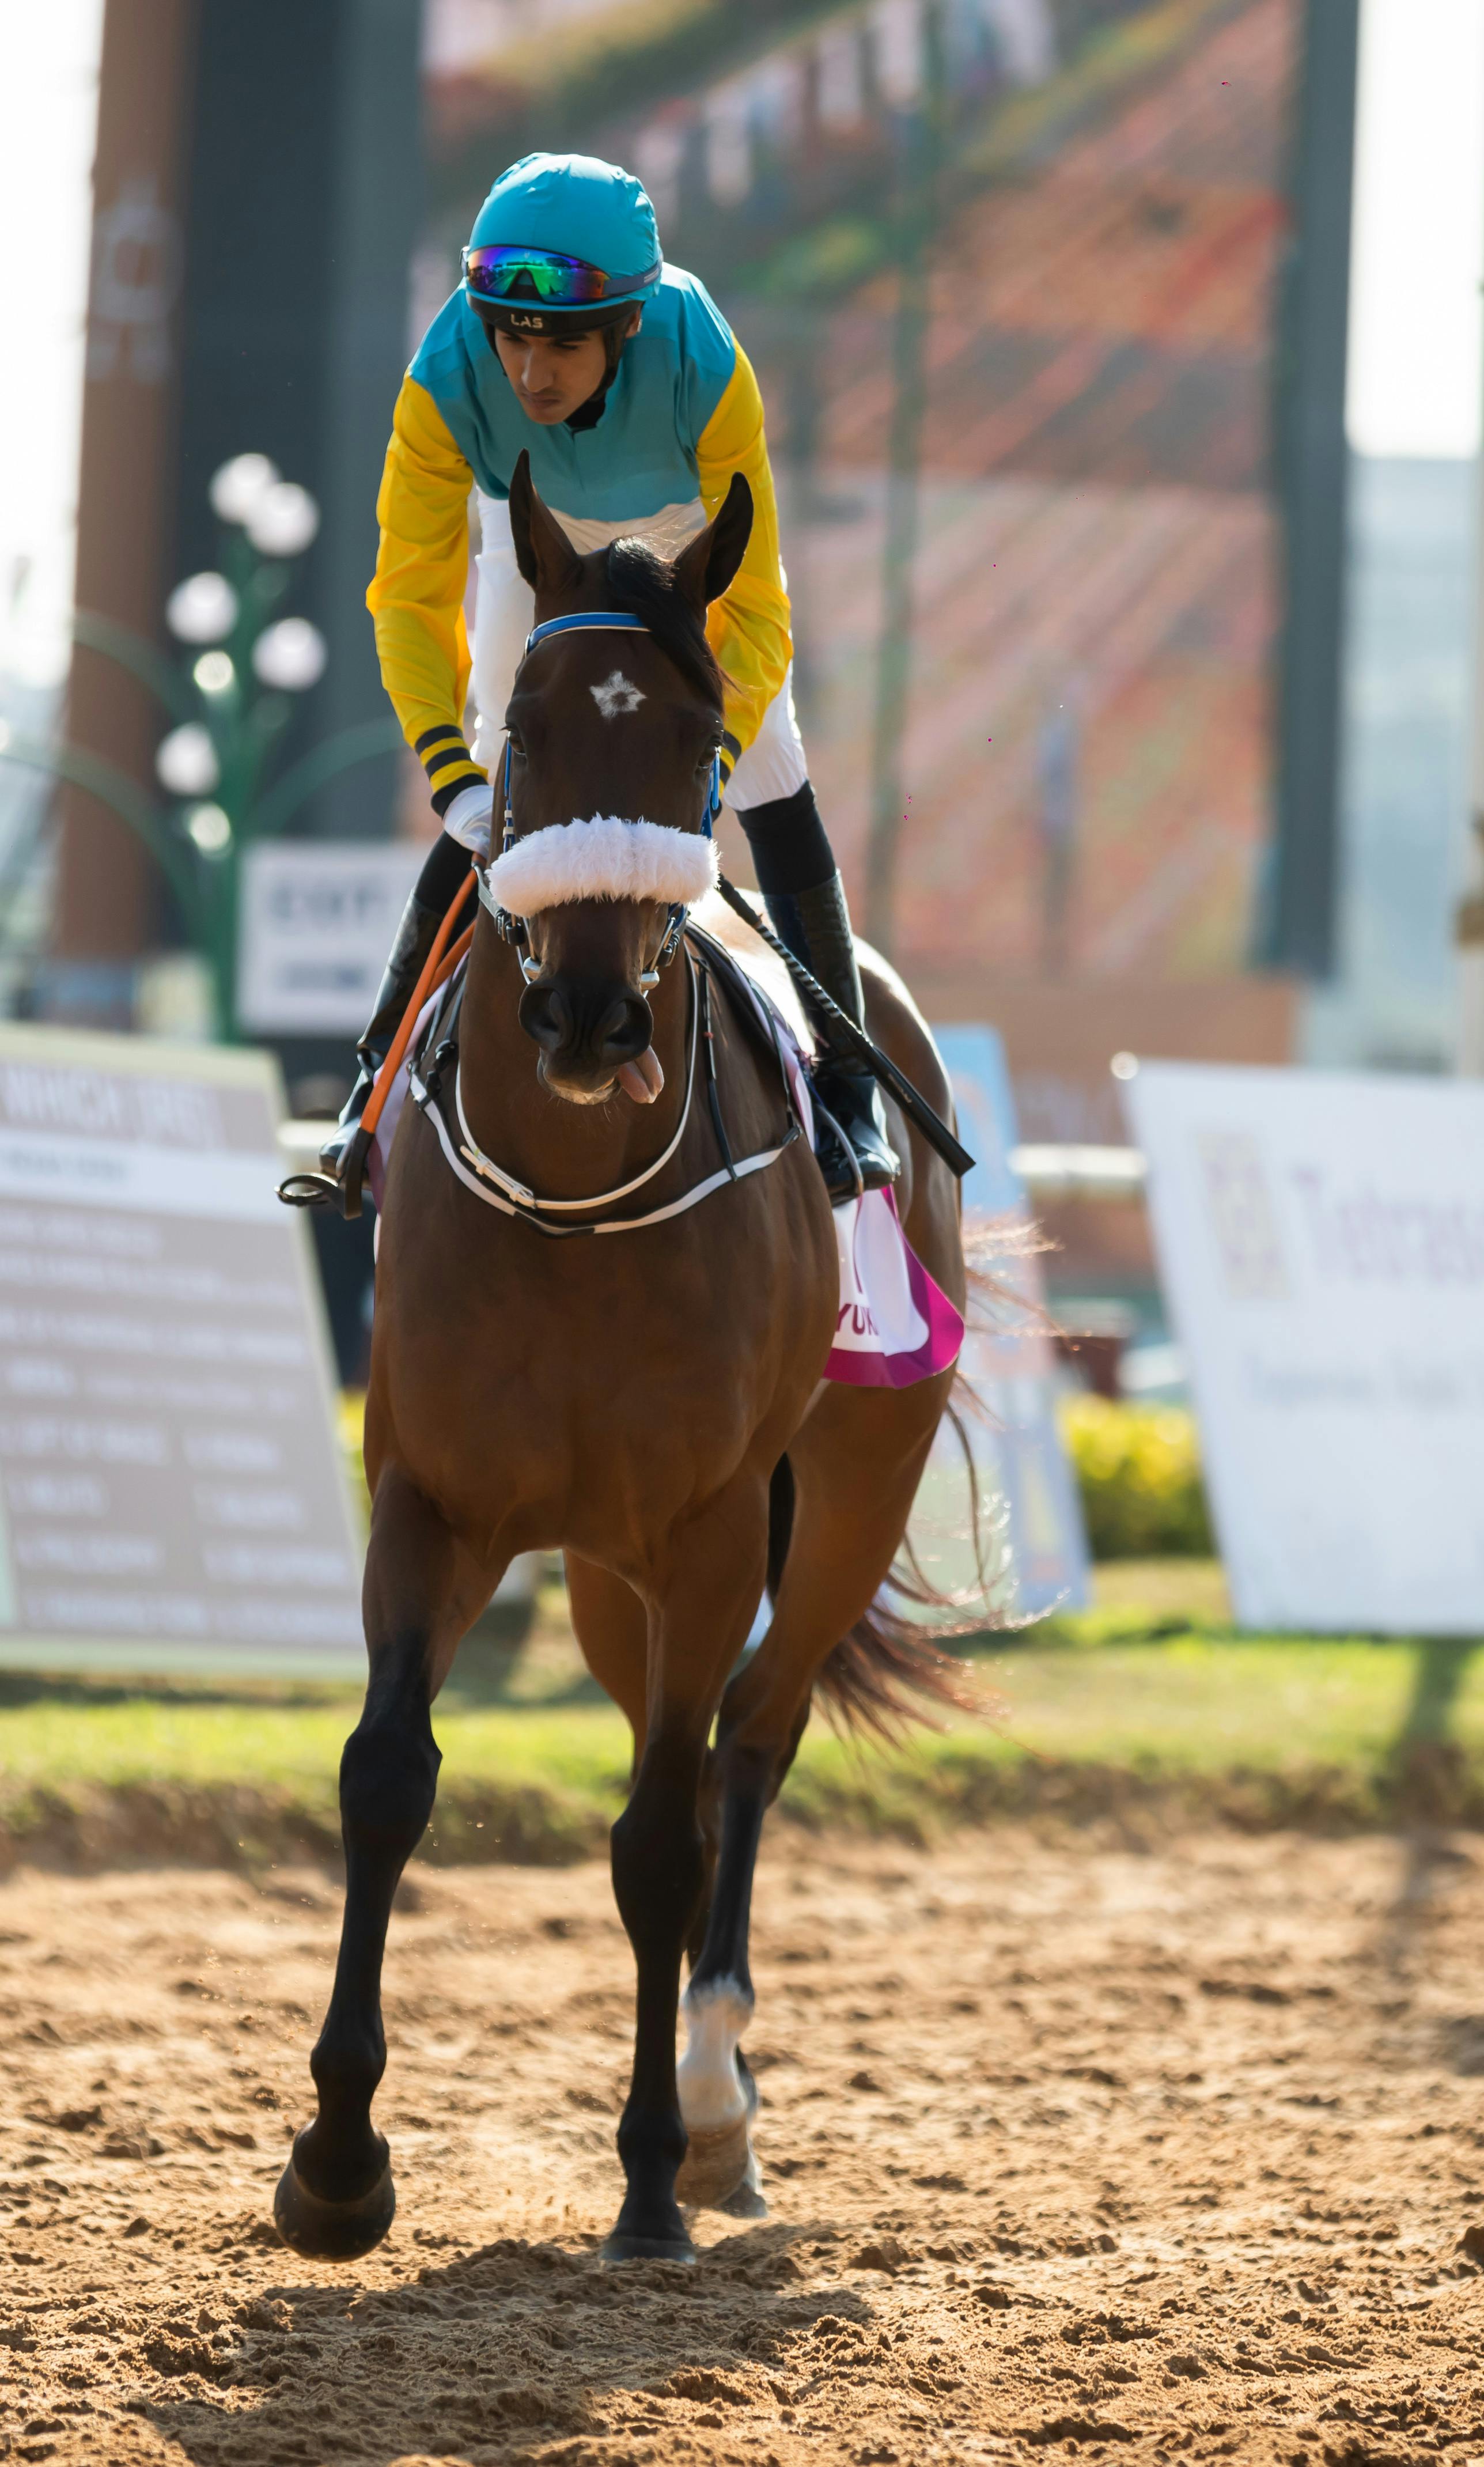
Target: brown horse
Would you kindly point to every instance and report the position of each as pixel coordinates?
(650, 1403)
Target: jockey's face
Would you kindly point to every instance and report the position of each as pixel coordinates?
(553, 375)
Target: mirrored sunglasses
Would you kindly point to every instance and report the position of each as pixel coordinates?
(510, 273)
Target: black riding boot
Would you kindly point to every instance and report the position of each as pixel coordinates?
(805, 900)
(343, 1153)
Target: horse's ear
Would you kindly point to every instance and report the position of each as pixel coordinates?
(545, 554)
(705, 569)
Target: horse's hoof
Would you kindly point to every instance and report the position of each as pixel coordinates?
(333, 2231)
(714, 2167)
(746, 2203)
(657, 2237)
(621, 2247)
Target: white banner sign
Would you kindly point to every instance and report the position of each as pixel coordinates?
(1322, 1241)
(317, 921)
(171, 1493)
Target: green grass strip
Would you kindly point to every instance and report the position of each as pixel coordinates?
(1250, 1732)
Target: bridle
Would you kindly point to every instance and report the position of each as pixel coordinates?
(512, 929)
(492, 1181)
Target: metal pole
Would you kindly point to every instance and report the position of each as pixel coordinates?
(1297, 931)
(102, 914)
(1468, 919)
(918, 209)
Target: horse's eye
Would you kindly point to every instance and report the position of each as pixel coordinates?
(517, 748)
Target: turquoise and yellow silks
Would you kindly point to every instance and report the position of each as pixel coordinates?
(684, 413)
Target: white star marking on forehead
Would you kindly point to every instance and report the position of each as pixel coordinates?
(616, 693)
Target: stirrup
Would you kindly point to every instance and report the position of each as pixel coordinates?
(400, 1008)
(309, 1189)
(344, 1189)
(852, 1145)
(836, 1157)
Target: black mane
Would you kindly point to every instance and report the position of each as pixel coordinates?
(642, 583)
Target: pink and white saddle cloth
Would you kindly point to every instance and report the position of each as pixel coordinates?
(895, 1323)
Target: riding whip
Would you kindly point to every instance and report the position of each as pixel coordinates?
(845, 1034)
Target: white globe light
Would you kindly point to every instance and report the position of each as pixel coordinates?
(290, 655)
(213, 672)
(187, 761)
(238, 486)
(210, 828)
(284, 520)
(202, 609)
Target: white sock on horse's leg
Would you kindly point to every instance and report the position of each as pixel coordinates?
(711, 2094)
(720, 2167)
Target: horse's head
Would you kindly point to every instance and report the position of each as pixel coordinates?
(615, 733)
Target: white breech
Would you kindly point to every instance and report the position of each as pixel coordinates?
(774, 765)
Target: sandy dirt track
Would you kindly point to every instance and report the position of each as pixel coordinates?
(1070, 2150)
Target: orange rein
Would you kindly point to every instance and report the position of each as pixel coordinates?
(436, 969)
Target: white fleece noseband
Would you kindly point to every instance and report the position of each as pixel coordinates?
(606, 858)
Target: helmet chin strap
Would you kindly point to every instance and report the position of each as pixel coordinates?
(588, 412)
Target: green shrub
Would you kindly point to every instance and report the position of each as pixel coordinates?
(1138, 1470)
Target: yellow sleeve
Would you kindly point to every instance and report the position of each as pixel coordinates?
(417, 592)
(747, 628)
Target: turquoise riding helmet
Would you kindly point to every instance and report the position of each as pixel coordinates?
(562, 241)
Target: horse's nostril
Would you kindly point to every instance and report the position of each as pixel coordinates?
(624, 1031)
(546, 1014)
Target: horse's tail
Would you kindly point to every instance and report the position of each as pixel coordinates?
(886, 1673)
(890, 1671)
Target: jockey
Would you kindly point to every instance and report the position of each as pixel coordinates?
(569, 337)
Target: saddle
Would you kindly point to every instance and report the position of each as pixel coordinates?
(749, 997)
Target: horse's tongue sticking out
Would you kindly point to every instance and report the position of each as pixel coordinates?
(643, 1078)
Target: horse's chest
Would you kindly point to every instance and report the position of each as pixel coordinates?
(569, 1387)
(575, 1394)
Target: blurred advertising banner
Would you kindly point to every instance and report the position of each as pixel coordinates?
(316, 922)
(1322, 1241)
(171, 1494)
(1032, 1540)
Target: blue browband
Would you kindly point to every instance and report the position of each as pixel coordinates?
(617, 620)
(588, 621)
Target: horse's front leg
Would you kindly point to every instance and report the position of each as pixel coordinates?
(659, 1863)
(335, 2199)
